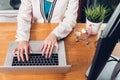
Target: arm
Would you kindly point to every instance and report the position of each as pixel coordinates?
(65, 27)
(24, 21)
(62, 30)
(23, 30)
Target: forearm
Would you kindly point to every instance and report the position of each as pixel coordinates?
(24, 21)
(69, 21)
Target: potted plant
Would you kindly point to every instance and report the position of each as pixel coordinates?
(94, 18)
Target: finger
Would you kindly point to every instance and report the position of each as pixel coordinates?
(30, 49)
(48, 49)
(51, 49)
(46, 53)
(41, 47)
(21, 55)
(26, 53)
(18, 56)
(14, 51)
(44, 48)
(57, 47)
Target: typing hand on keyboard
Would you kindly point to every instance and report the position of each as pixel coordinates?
(36, 60)
(23, 47)
(48, 44)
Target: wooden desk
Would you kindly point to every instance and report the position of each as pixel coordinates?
(79, 55)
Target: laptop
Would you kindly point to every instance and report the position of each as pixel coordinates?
(57, 63)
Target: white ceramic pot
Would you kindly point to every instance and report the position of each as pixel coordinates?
(92, 28)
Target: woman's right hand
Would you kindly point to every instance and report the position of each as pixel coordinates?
(22, 48)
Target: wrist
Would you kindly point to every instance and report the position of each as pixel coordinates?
(54, 35)
(22, 41)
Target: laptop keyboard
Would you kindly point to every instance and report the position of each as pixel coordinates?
(37, 60)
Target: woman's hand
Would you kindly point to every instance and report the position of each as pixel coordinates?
(48, 45)
(22, 48)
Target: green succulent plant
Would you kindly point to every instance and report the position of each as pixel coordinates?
(96, 14)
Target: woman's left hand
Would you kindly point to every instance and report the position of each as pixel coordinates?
(48, 45)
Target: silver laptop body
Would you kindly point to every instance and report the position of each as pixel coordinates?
(35, 45)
